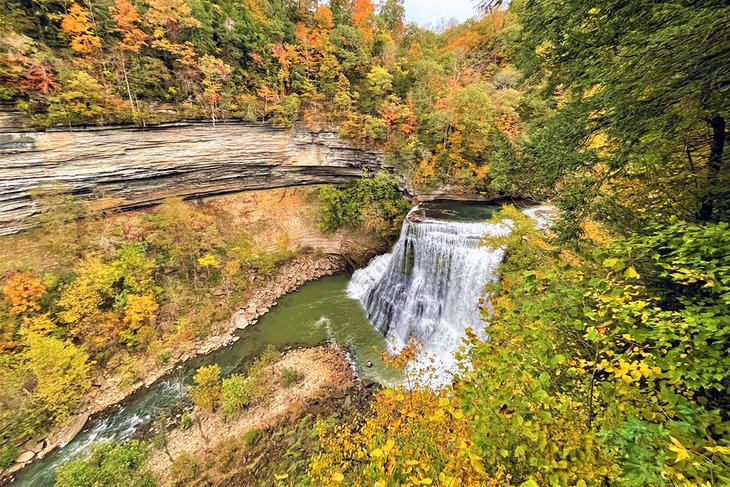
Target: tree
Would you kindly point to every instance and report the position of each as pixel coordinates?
(206, 392)
(61, 370)
(216, 74)
(392, 12)
(168, 17)
(362, 17)
(84, 304)
(640, 94)
(22, 290)
(127, 22)
(77, 26)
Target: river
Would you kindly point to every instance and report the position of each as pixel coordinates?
(317, 312)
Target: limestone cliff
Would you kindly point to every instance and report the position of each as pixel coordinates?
(125, 168)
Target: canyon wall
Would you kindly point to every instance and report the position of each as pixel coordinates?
(125, 168)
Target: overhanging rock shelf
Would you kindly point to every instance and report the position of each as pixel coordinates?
(125, 168)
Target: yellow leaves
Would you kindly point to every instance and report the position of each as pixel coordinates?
(631, 273)
(337, 477)
(722, 450)
(140, 310)
(438, 415)
(633, 371)
(679, 449)
(281, 476)
(406, 455)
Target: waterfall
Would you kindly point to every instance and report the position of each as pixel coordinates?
(430, 285)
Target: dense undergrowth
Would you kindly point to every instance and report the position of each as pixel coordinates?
(375, 203)
(113, 293)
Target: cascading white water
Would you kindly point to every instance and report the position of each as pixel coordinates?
(430, 285)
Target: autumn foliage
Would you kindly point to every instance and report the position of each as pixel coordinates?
(22, 291)
(77, 25)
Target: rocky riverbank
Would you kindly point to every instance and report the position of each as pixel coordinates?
(273, 439)
(107, 390)
(324, 371)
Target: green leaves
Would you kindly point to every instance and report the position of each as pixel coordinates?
(375, 203)
(591, 366)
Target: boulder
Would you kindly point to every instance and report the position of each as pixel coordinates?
(25, 457)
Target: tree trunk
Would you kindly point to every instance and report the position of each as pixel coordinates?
(714, 163)
(129, 90)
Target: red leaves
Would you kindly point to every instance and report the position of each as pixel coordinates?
(39, 78)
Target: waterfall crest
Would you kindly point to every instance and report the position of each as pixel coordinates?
(431, 284)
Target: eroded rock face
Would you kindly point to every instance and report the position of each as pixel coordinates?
(132, 167)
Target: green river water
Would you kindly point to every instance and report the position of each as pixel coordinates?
(317, 312)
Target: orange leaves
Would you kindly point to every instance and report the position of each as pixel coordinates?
(402, 116)
(23, 291)
(266, 94)
(77, 26)
(171, 15)
(257, 59)
(257, 11)
(362, 14)
(324, 17)
(509, 125)
(127, 18)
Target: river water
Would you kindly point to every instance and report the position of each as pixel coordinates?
(429, 287)
(318, 312)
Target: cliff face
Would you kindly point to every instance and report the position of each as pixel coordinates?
(128, 167)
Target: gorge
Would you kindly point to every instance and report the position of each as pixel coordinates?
(429, 287)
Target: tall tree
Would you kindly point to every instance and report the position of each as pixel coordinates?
(640, 92)
(127, 21)
(77, 25)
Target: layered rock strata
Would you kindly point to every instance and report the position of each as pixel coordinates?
(124, 168)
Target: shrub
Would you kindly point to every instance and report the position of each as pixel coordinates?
(236, 393)
(251, 437)
(289, 377)
(375, 203)
(606, 367)
(207, 389)
(184, 470)
(258, 367)
(186, 421)
(108, 465)
(8, 454)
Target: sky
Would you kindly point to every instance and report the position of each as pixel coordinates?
(426, 12)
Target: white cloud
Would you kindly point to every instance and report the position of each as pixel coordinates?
(426, 12)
